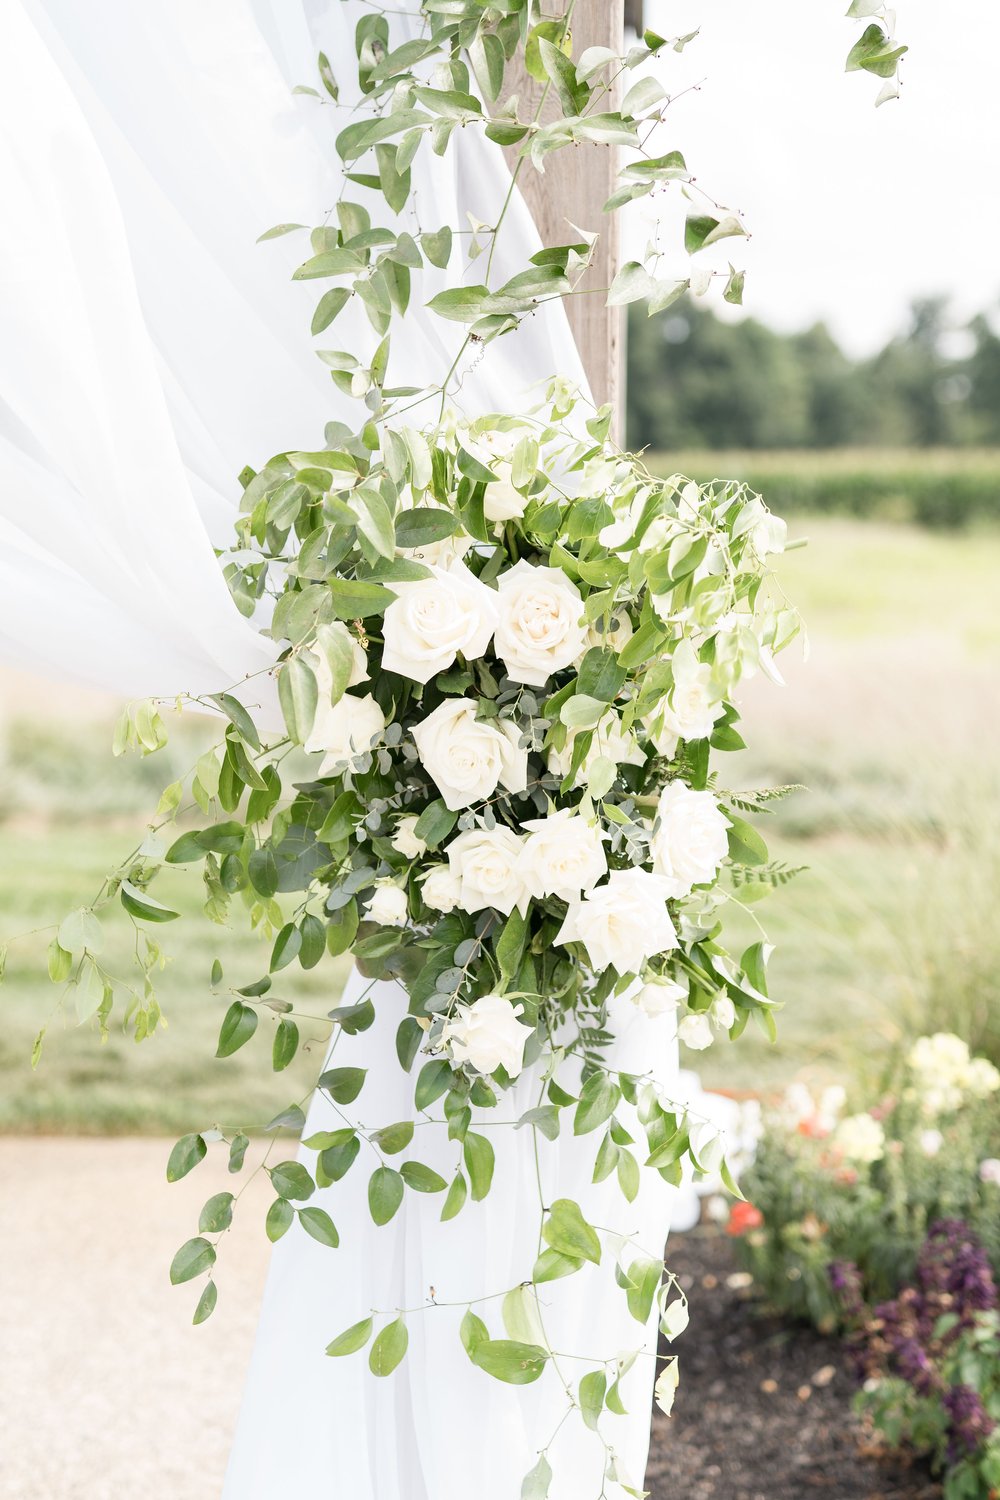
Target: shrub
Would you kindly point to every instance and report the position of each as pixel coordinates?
(864, 1188)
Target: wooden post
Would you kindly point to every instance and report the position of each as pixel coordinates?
(574, 188)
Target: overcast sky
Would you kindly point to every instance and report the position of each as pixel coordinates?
(854, 210)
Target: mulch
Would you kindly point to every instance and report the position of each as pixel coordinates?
(764, 1408)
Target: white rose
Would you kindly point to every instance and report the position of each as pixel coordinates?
(405, 840)
(690, 711)
(622, 923)
(345, 729)
(562, 856)
(431, 621)
(695, 1031)
(691, 838)
(610, 742)
(488, 1035)
(722, 1012)
(441, 889)
(659, 997)
(469, 757)
(860, 1138)
(387, 906)
(540, 629)
(931, 1142)
(982, 1078)
(485, 862)
(989, 1171)
(501, 501)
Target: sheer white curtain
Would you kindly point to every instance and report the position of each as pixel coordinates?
(148, 350)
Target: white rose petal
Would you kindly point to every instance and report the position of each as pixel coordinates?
(563, 856)
(489, 1035)
(387, 906)
(615, 638)
(541, 630)
(622, 923)
(469, 757)
(433, 620)
(441, 889)
(691, 839)
(695, 1031)
(660, 997)
(405, 840)
(345, 729)
(722, 1012)
(486, 864)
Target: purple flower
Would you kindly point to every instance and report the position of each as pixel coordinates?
(969, 1426)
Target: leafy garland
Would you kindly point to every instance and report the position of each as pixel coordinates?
(514, 649)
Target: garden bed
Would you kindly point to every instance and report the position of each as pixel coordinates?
(764, 1407)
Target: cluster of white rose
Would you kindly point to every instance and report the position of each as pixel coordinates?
(480, 657)
(944, 1074)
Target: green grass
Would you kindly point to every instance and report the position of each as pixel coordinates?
(890, 932)
(940, 487)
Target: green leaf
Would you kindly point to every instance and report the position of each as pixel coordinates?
(643, 1279)
(298, 693)
(425, 524)
(521, 1317)
(262, 868)
(598, 1100)
(746, 847)
(389, 1348)
(394, 1138)
(279, 1220)
(702, 230)
(286, 1044)
(217, 1214)
(385, 1194)
(278, 231)
(875, 53)
(473, 1331)
(317, 1222)
(192, 1259)
(510, 1361)
(330, 304)
(60, 963)
(81, 932)
(291, 1180)
(455, 1201)
(435, 823)
(185, 1156)
(573, 95)
(435, 1078)
(461, 304)
(422, 1179)
(286, 947)
(238, 1027)
(352, 1339)
(535, 1485)
(600, 676)
(510, 945)
(592, 1391)
(479, 1163)
(568, 1232)
(436, 245)
(343, 1084)
(552, 1266)
(237, 716)
(206, 1303)
(356, 600)
(374, 521)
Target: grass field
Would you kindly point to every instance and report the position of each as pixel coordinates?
(890, 725)
(947, 488)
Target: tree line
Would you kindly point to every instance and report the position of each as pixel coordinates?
(696, 382)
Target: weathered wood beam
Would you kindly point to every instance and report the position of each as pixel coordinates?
(574, 188)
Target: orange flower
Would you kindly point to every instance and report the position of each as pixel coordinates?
(742, 1218)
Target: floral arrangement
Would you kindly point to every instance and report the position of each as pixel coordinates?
(830, 1187)
(505, 653)
(930, 1360)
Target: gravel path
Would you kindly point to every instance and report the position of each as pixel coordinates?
(106, 1391)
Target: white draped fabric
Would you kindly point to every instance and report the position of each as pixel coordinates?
(148, 350)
